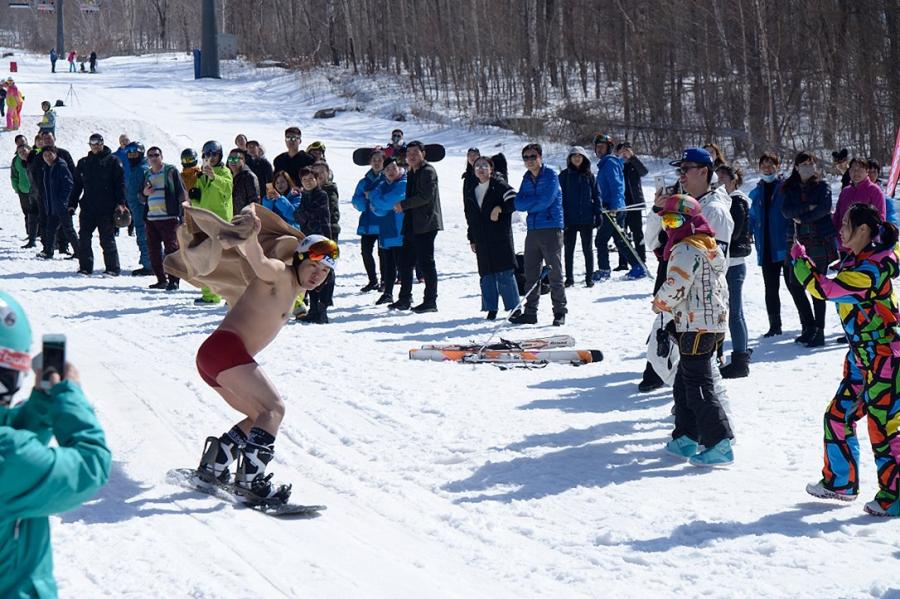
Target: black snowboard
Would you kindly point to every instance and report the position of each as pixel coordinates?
(433, 153)
(188, 477)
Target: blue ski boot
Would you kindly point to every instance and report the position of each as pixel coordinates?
(717, 456)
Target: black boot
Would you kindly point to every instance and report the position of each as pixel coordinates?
(806, 333)
(817, 339)
(650, 381)
(739, 367)
(774, 325)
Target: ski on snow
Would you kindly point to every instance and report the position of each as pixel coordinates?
(504, 344)
(190, 478)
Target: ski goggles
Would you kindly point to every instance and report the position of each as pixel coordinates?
(325, 250)
(234, 159)
(14, 360)
(672, 220)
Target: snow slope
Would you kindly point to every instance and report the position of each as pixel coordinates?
(441, 480)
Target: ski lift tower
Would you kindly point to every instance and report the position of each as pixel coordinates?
(209, 52)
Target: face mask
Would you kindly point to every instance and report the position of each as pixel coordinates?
(806, 171)
(768, 178)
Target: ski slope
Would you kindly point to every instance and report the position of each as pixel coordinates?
(441, 480)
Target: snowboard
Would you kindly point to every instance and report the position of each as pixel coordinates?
(508, 344)
(491, 356)
(190, 478)
(433, 153)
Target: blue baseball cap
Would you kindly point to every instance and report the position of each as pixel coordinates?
(697, 155)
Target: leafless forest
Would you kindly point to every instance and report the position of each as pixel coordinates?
(748, 74)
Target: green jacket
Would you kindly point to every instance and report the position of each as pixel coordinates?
(215, 195)
(18, 174)
(37, 480)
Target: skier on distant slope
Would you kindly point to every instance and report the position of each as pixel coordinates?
(225, 360)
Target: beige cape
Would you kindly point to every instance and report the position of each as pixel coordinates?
(207, 256)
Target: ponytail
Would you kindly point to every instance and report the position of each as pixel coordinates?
(888, 235)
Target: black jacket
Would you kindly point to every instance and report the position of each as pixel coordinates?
(334, 210)
(292, 166)
(633, 170)
(36, 166)
(245, 189)
(99, 183)
(262, 168)
(493, 241)
(422, 206)
(740, 238)
(313, 215)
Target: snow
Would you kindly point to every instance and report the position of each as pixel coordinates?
(441, 480)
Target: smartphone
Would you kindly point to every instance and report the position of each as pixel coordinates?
(205, 162)
(660, 182)
(54, 358)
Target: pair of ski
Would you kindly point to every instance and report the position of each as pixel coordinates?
(529, 352)
(192, 479)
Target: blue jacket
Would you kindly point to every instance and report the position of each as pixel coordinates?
(541, 198)
(367, 224)
(58, 185)
(381, 204)
(122, 155)
(611, 182)
(284, 207)
(581, 200)
(890, 211)
(760, 216)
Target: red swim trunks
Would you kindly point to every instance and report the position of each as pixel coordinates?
(221, 351)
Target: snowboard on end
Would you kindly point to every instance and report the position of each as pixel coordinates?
(433, 153)
(190, 478)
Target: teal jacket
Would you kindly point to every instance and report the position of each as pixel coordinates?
(37, 480)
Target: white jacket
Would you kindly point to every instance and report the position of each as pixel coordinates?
(695, 291)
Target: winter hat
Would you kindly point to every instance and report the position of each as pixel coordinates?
(578, 150)
(389, 161)
(698, 155)
(682, 204)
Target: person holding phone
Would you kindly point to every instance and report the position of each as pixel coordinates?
(214, 185)
(37, 480)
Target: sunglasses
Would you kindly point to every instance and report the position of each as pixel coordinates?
(188, 163)
(291, 138)
(672, 220)
(95, 142)
(482, 167)
(234, 159)
(530, 157)
(683, 170)
(154, 155)
(326, 248)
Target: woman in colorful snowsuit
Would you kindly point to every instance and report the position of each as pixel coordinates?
(869, 314)
(14, 100)
(696, 294)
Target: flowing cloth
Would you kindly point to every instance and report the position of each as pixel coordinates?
(207, 256)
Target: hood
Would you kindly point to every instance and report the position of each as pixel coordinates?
(718, 195)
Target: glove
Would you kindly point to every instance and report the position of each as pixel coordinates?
(194, 193)
(798, 250)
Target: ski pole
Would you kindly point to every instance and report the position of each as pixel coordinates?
(545, 271)
(621, 233)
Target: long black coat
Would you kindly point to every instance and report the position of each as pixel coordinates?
(633, 170)
(99, 183)
(493, 241)
(422, 206)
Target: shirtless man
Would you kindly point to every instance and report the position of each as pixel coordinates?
(225, 361)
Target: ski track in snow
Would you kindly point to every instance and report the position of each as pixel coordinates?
(441, 480)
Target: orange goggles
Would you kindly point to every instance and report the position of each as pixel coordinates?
(327, 248)
(672, 220)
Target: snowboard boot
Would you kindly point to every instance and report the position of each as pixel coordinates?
(559, 319)
(739, 367)
(650, 381)
(523, 318)
(774, 325)
(251, 479)
(817, 339)
(218, 454)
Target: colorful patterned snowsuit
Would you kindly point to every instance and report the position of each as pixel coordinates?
(869, 314)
